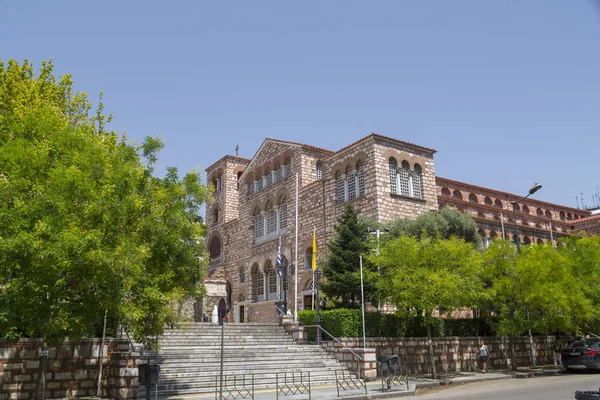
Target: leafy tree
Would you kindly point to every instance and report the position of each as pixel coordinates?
(419, 276)
(84, 226)
(532, 290)
(342, 266)
(443, 224)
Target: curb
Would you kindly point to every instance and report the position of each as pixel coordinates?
(412, 389)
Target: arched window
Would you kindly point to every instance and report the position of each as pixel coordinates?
(445, 192)
(259, 223)
(340, 187)
(351, 180)
(268, 178)
(480, 215)
(562, 216)
(254, 273)
(393, 173)
(216, 215)
(242, 275)
(539, 212)
(496, 217)
(308, 258)
(487, 201)
(472, 198)
(540, 241)
(415, 180)
(239, 175)
(215, 248)
(271, 218)
(569, 216)
(278, 172)
(526, 240)
(524, 223)
(548, 214)
(525, 209)
(498, 203)
(260, 284)
(287, 167)
(538, 226)
(457, 195)
(517, 207)
(319, 170)
(272, 280)
(283, 213)
(360, 178)
(403, 183)
(493, 235)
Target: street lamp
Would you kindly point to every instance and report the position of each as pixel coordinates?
(317, 276)
(533, 189)
(378, 234)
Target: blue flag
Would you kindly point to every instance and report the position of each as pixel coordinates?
(279, 261)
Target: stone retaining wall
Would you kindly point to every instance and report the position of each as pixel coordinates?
(454, 353)
(72, 369)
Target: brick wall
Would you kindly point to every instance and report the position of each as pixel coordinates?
(72, 369)
(453, 353)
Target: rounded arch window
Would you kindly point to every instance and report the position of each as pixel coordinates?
(498, 203)
(472, 198)
(493, 235)
(487, 201)
(539, 212)
(480, 215)
(445, 191)
(548, 214)
(525, 209)
(457, 195)
(319, 170)
(562, 216)
(215, 247)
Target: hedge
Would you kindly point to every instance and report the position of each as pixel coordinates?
(342, 322)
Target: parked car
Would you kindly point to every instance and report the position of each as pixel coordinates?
(582, 355)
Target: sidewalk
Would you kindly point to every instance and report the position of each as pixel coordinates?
(374, 388)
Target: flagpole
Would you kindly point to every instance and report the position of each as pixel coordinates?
(296, 257)
(502, 221)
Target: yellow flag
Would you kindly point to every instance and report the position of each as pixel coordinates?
(314, 253)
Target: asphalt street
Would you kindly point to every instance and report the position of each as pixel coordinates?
(560, 387)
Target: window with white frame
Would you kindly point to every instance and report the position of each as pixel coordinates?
(272, 281)
(260, 289)
(287, 168)
(278, 173)
(360, 178)
(259, 223)
(393, 175)
(271, 218)
(352, 184)
(283, 213)
(268, 179)
(319, 170)
(405, 181)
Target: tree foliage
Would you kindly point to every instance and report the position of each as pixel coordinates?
(443, 224)
(84, 225)
(342, 266)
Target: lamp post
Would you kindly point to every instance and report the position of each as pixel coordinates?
(378, 234)
(533, 189)
(317, 275)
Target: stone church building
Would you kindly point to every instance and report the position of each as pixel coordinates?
(382, 177)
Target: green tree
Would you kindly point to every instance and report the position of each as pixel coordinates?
(420, 276)
(342, 266)
(443, 224)
(531, 290)
(84, 226)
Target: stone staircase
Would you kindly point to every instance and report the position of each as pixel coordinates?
(190, 357)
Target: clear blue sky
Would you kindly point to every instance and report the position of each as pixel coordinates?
(507, 92)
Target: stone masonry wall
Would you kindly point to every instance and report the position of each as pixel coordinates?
(72, 369)
(454, 353)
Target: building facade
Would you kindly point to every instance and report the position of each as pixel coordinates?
(253, 216)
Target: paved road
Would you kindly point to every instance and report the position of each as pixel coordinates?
(560, 387)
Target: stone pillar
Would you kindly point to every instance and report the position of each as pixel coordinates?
(368, 364)
(123, 380)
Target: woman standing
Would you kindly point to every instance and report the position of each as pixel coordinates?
(483, 356)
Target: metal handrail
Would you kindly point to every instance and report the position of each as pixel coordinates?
(334, 338)
(293, 321)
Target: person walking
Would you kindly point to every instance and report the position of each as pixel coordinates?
(483, 356)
